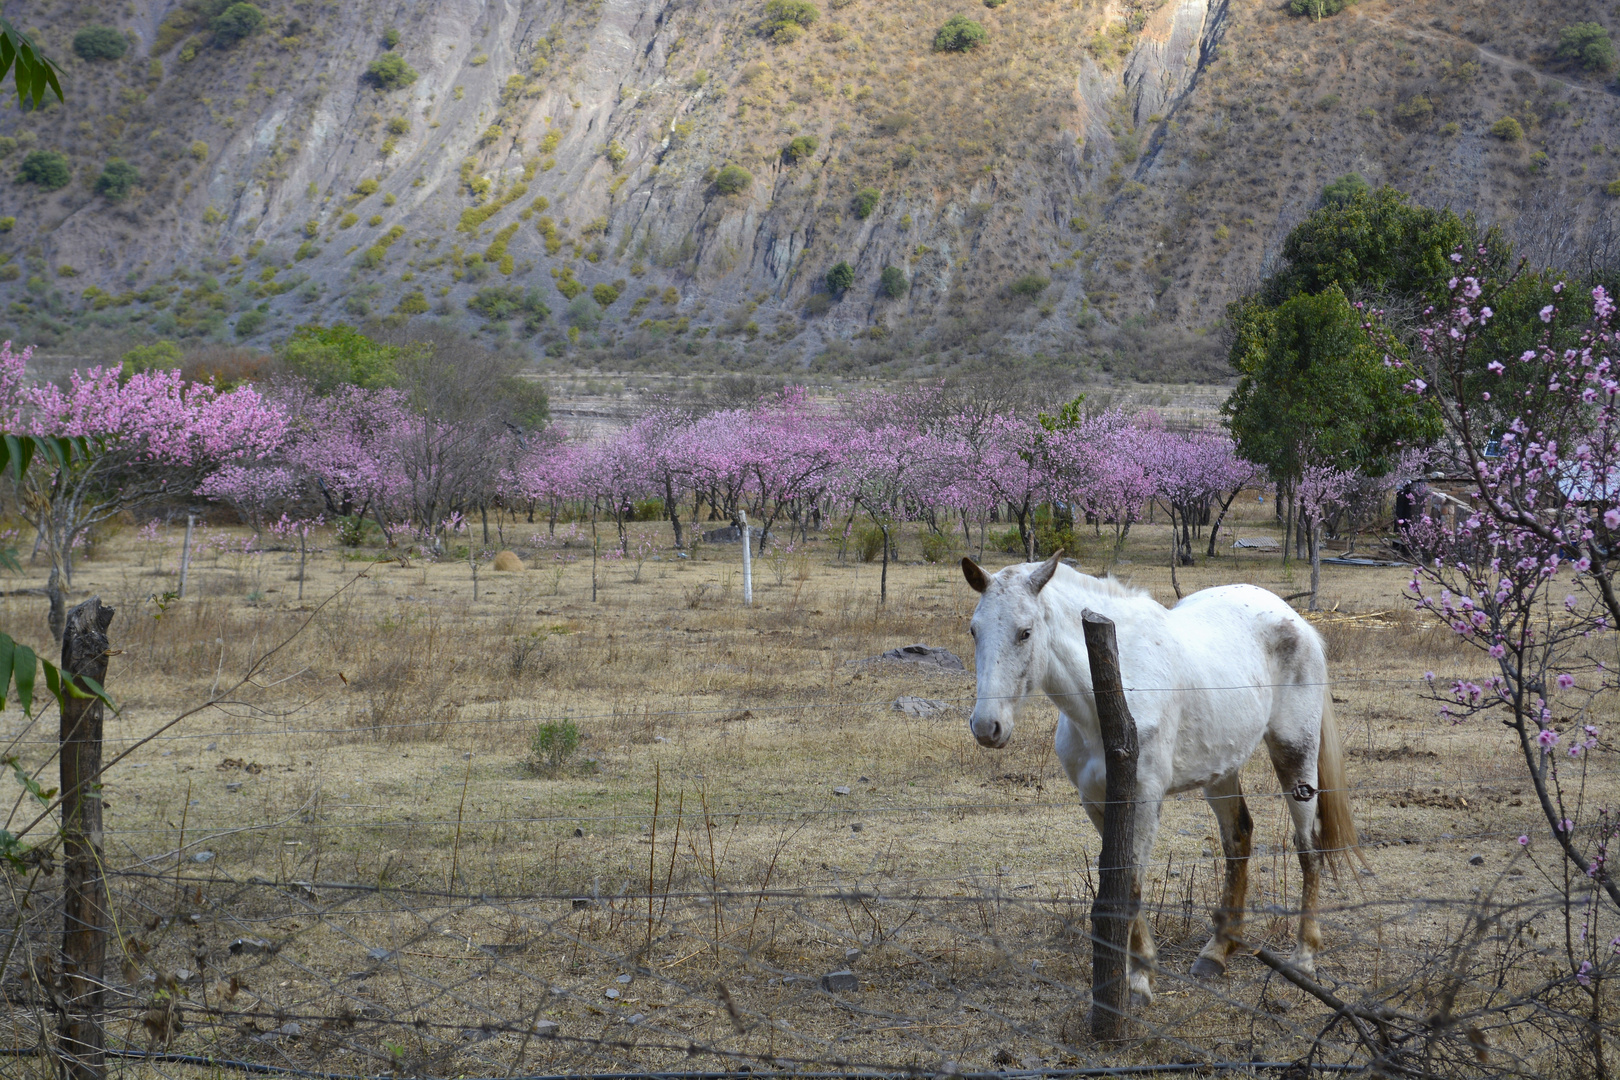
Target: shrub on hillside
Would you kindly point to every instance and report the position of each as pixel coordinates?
(818, 304)
(235, 23)
(118, 178)
(604, 294)
(1317, 9)
(959, 34)
(1415, 112)
(840, 277)
(865, 202)
(99, 43)
(1344, 190)
(250, 322)
(45, 168)
(1508, 129)
(1585, 44)
(391, 72)
(733, 180)
(786, 20)
(892, 282)
(799, 149)
(160, 355)
(390, 38)
(1029, 286)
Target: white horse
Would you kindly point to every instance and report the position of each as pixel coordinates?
(1207, 681)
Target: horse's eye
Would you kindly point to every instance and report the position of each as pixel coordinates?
(1023, 635)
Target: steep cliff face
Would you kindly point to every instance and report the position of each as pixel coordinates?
(1090, 184)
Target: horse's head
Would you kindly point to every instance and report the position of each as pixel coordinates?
(1009, 644)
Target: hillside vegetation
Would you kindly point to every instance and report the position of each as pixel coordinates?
(631, 184)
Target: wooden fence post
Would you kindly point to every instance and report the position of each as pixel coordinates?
(748, 561)
(185, 555)
(84, 901)
(1115, 906)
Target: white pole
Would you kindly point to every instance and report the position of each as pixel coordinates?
(185, 554)
(748, 562)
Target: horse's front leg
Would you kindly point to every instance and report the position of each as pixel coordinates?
(1144, 954)
(1225, 797)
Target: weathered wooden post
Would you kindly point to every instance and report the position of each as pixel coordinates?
(1115, 906)
(185, 555)
(748, 561)
(84, 901)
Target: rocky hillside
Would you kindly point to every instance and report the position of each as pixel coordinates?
(664, 184)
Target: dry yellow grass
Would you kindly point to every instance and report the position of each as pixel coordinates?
(389, 744)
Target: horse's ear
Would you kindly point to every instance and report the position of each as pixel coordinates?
(977, 579)
(1044, 572)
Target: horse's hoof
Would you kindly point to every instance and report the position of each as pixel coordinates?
(1140, 1000)
(1206, 968)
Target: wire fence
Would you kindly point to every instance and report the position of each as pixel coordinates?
(702, 921)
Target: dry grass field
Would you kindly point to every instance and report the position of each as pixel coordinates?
(747, 811)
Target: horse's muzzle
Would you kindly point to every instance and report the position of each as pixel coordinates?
(993, 733)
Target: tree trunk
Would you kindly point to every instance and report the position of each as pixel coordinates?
(53, 592)
(85, 920)
(674, 511)
(1215, 529)
(883, 581)
(1315, 527)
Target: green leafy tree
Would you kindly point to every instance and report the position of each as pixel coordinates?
(892, 282)
(391, 72)
(786, 20)
(604, 294)
(1375, 242)
(31, 71)
(1313, 389)
(959, 34)
(865, 201)
(1029, 286)
(1588, 46)
(235, 23)
(840, 278)
(99, 43)
(118, 178)
(1508, 129)
(328, 357)
(45, 168)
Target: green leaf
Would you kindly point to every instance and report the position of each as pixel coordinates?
(22, 669)
(29, 784)
(7, 648)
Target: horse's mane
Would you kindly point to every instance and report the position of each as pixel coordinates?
(1109, 585)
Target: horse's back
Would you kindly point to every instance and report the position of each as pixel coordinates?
(1248, 622)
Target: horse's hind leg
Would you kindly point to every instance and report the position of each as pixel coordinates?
(1225, 797)
(1296, 770)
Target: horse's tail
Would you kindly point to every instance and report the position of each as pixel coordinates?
(1337, 839)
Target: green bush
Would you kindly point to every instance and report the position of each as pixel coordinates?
(45, 168)
(501, 302)
(250, 322)
(815, 304)
(1317, 9)
(1029, 286)
(1613, 188)
(552, 744)
(8, 146)
(99, 43)
(390, 38)
(959, 34)
(865, 202)
(936, 547)
(786, 20)
(235, 23)
(840, 277)
(1344, 190)
(1415, 112)
(160, 356)
(368, 186)
(412, 303)
(329, 357)
(1585, 44)
(892, 282)
(118, 178)
(799, 149)
(7, 223)
(1508, 129)
(399, 125)
(868, 542)
(733, 180)
(391, 72)
(604, 294)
